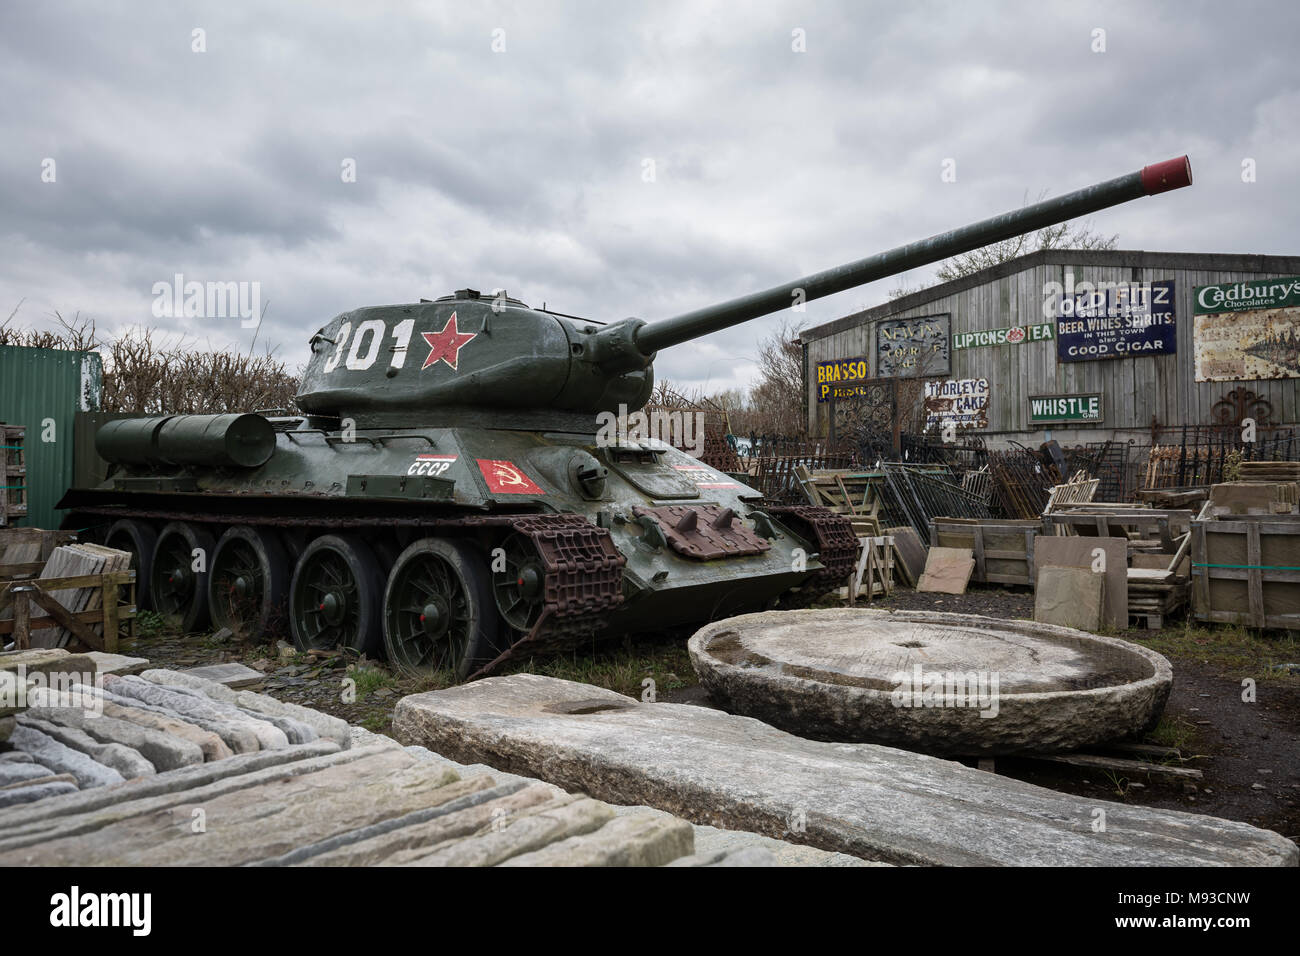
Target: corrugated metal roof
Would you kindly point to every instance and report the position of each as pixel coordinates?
(43, 389)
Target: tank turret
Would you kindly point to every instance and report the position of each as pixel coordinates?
(471, 352)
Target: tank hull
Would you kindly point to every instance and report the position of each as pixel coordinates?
(396, 486)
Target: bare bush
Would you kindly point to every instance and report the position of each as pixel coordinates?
(169, 376)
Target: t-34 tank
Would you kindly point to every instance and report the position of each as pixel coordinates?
(453, 493)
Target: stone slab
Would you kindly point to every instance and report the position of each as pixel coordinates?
(130, 763)
(325, 725)
(11, 773)
(60, 759)
(117, 663)
(1069, 597)
(163, 750)
(92, 809)
(640, 839)
(947, 570)
(236, 676)
(867, 800)
(47, 660)
(1077, 552)
(196, 708)
(34, 794)
(711, 842)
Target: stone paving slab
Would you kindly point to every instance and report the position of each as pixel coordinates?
(117, 663)
(234, 675)
(864, 799)
(377, 805)
(711, 843)
(366, 801)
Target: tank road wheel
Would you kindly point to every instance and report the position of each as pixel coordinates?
(438, 610)
(140, 539)
(334, 596)
(247, 582)
(178, 579)
(519, 590)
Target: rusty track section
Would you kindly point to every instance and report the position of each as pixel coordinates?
(837, 545)
(583, 581)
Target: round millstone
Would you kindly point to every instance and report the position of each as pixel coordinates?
(948, 684)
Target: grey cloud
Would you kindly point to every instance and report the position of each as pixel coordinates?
(523, 169)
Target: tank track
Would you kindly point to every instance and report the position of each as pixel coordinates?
(837, 548)
(583, 581)
(583, 570)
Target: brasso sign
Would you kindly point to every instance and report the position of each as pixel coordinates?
(1110, 321)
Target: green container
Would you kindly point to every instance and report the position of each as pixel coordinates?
(43, 390)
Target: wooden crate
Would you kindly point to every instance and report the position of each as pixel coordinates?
(116, 609)
(24, 551)
(13, 475)
(1003, 547)
(1247, 571)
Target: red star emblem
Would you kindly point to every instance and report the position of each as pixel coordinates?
(446, 345)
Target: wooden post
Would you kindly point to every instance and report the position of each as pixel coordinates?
(109, 603)
(1254, 576)
(22, 619)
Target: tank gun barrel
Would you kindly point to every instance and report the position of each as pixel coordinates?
(1157, 178)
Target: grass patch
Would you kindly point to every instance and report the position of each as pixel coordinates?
(1236, 650)
(623, 670)
(1175, 732)
(377, 723)
(150, 624)
(370, 679)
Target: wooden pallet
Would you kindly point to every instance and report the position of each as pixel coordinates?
(847, 493)
(874, 575)
(1080, 489)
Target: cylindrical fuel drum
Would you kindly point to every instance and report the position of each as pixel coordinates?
(217, 441)
(129, 441)
(242, 441)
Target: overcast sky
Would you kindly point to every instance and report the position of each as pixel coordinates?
(526, 167)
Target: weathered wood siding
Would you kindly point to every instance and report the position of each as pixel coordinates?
(1134, 390)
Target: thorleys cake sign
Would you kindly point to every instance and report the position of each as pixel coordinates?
(1247, 330)
(962, 402)
(1116, 321)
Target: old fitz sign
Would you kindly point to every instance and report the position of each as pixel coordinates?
(962, 402)
(839, 379)
(1047, 409)
(910, 347)
(1111, 321)
(1247, 330)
